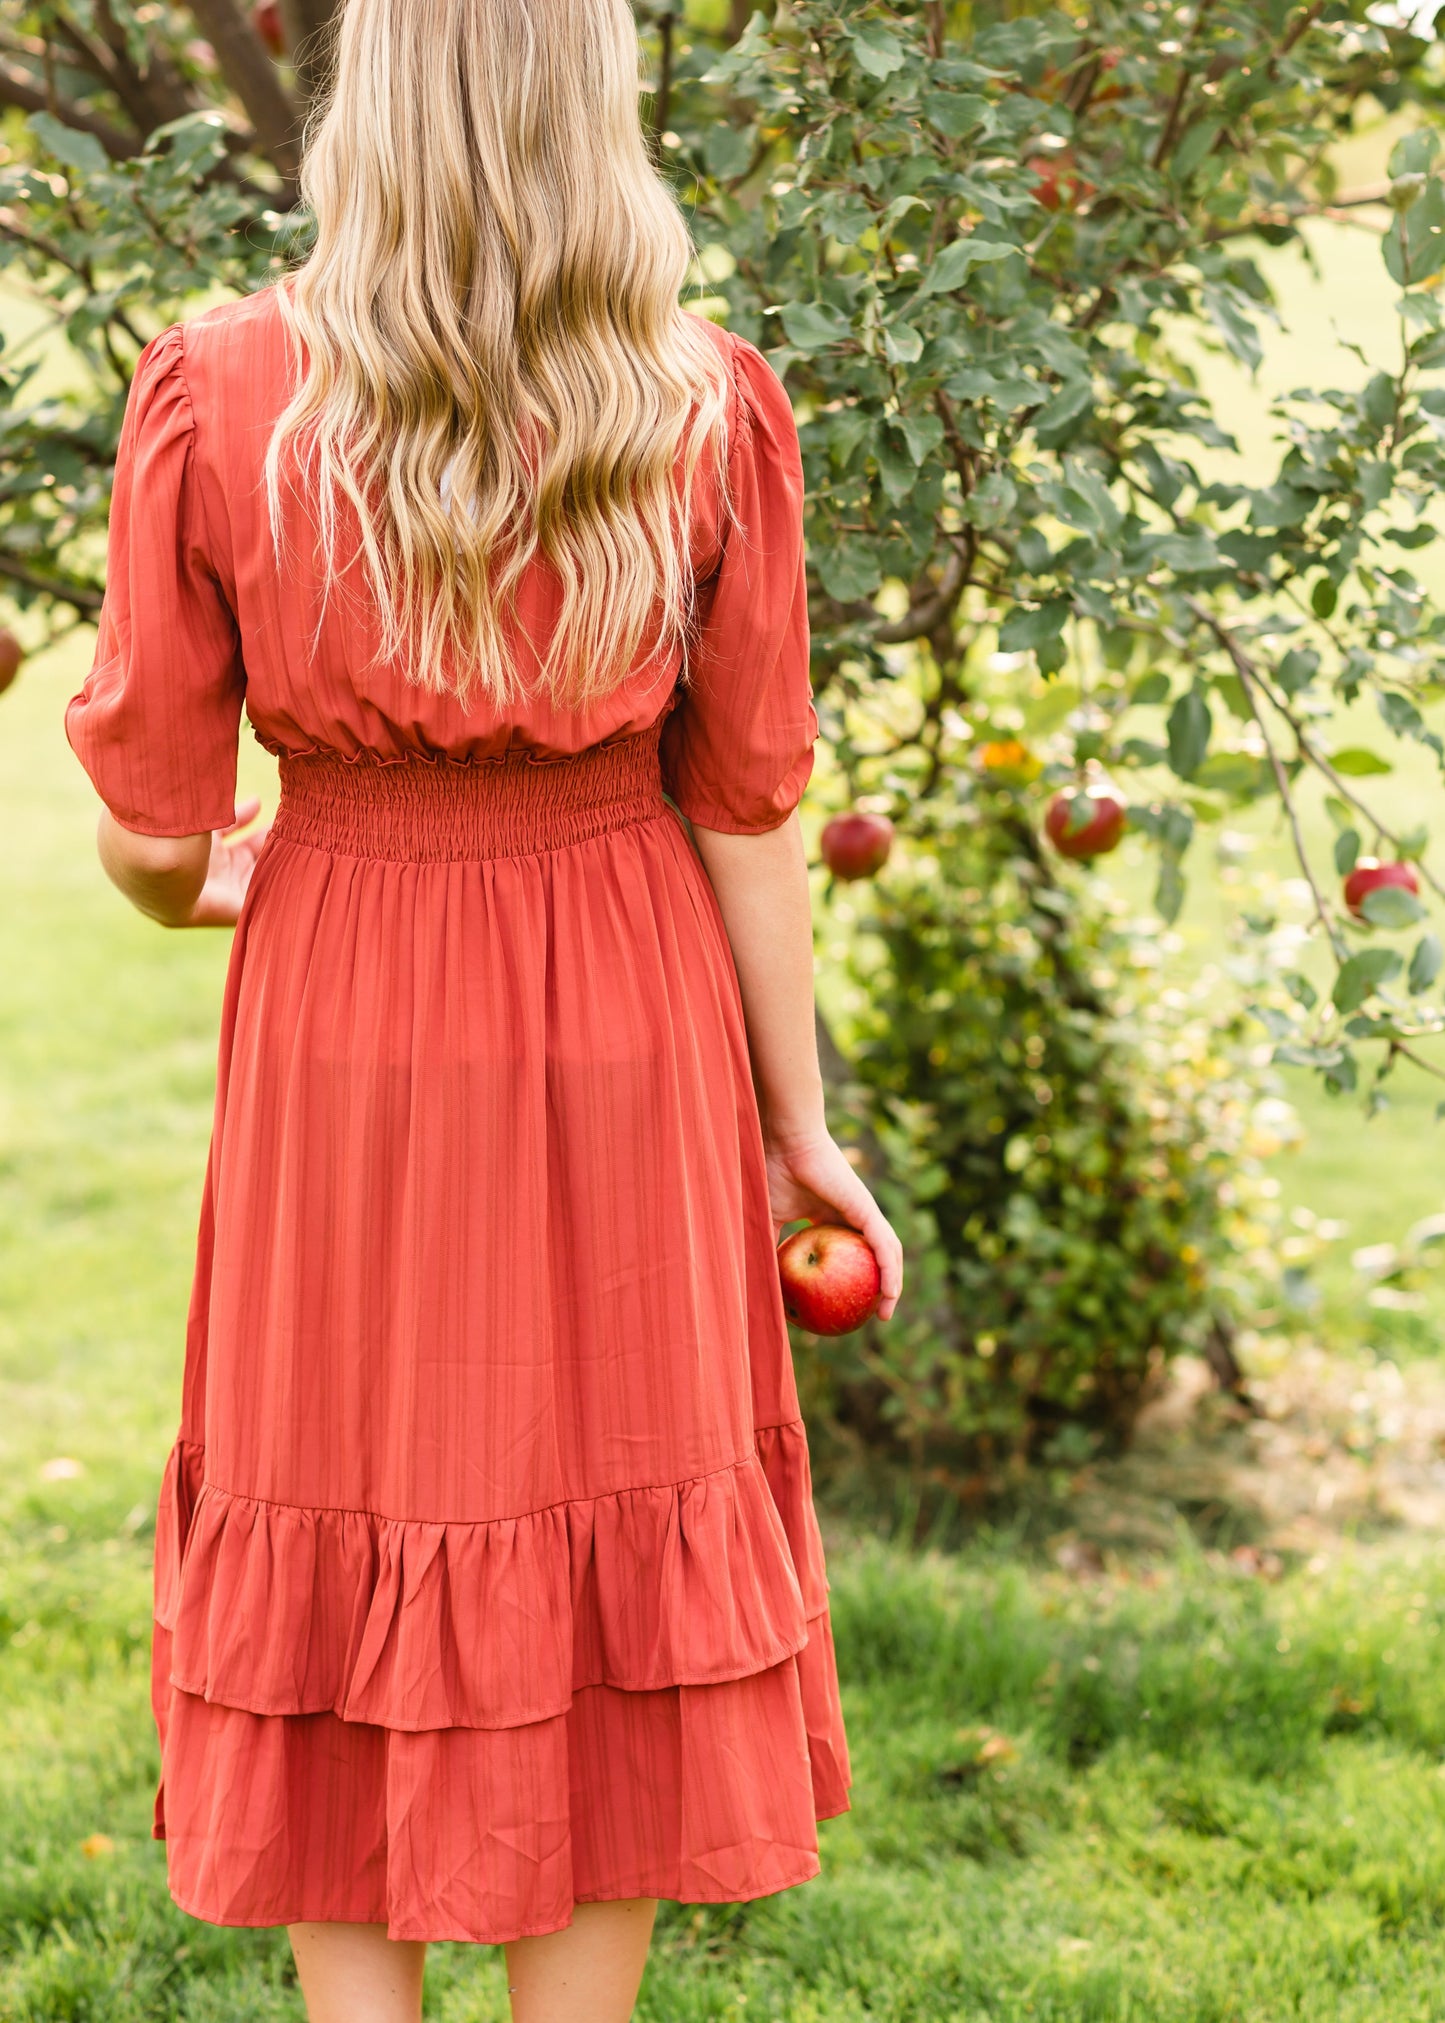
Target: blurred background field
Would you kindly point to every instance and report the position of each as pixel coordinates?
(1165, 1742)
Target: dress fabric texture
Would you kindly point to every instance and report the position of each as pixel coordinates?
(487, 1574)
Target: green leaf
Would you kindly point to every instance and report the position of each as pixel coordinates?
(1391, 906)
(1414, 152)
(922, 433)
(813, 326)
(1378, 399)
(1355, 763)
(1415, 243)
(1190, 725)
(1362, 975)
(845, 432)
(1347, 849)
(849, 570)
(1195, 146)
(956, 113)
(68, 144)
(897, 466)
(1236, 773)
(1169, 889)
(1376, 481)
(1425, 963)
(878, 52)
(1025, 628)
(1297, 669)
(902, 344)
(957, 261)
(1234, 695)
(1241, 338)
(727, 150)
(1056, 420)
(1153, 688)
(1323, 598)
(991, 503)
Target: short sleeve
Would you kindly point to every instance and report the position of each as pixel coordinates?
(157, 723)
(737, 751)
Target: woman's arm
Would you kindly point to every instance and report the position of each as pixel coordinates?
(761, 882)
(182, 881)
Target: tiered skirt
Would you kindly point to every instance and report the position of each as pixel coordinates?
(488, 1579)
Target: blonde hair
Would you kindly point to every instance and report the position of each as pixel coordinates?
(494, 367)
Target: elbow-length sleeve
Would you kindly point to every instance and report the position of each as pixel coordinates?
(157, 723)
(737, 751)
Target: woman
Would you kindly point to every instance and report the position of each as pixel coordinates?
(490, 1602)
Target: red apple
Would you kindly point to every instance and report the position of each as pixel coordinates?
(856, 845)
(266, 20)
(1057, 184)
(830, 1279)
(1104, 93)
(11, 655)
(1085, 822)
(1370, 875)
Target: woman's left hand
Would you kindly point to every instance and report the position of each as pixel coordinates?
(229, 872)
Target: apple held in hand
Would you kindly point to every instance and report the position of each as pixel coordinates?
(855, 845)
(1084, 822)
(11, 655)
(830, 1278)
(1370, 875)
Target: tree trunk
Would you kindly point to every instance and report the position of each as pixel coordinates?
(251, 74)
(308, 39)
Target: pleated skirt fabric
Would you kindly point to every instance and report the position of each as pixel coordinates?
(488, 1579)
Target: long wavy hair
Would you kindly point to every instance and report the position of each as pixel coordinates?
(492, 364)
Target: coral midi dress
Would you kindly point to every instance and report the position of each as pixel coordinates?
(487, 1575)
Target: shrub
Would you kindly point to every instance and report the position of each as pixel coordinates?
(1066, 1150)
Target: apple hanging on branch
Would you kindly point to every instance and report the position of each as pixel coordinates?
(11, 655)
(1085, 821)
(1370, 875)
(1058, 186)
(830, 1278)
(266, 20)
(856, 844)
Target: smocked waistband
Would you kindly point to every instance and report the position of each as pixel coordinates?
(420, 810)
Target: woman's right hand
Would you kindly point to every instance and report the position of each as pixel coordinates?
(811, 1177)
(229, 872)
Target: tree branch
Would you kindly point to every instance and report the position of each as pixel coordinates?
(251, 74)
(17, 89)
(1250, 682)
(81, 597)
(1169, 133)
(308, 25)
(919, 620)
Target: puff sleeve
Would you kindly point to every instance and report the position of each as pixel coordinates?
(157, 723)
(737, 751)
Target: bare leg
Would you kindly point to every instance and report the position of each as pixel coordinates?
(356, 1974)
(588, 1974)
